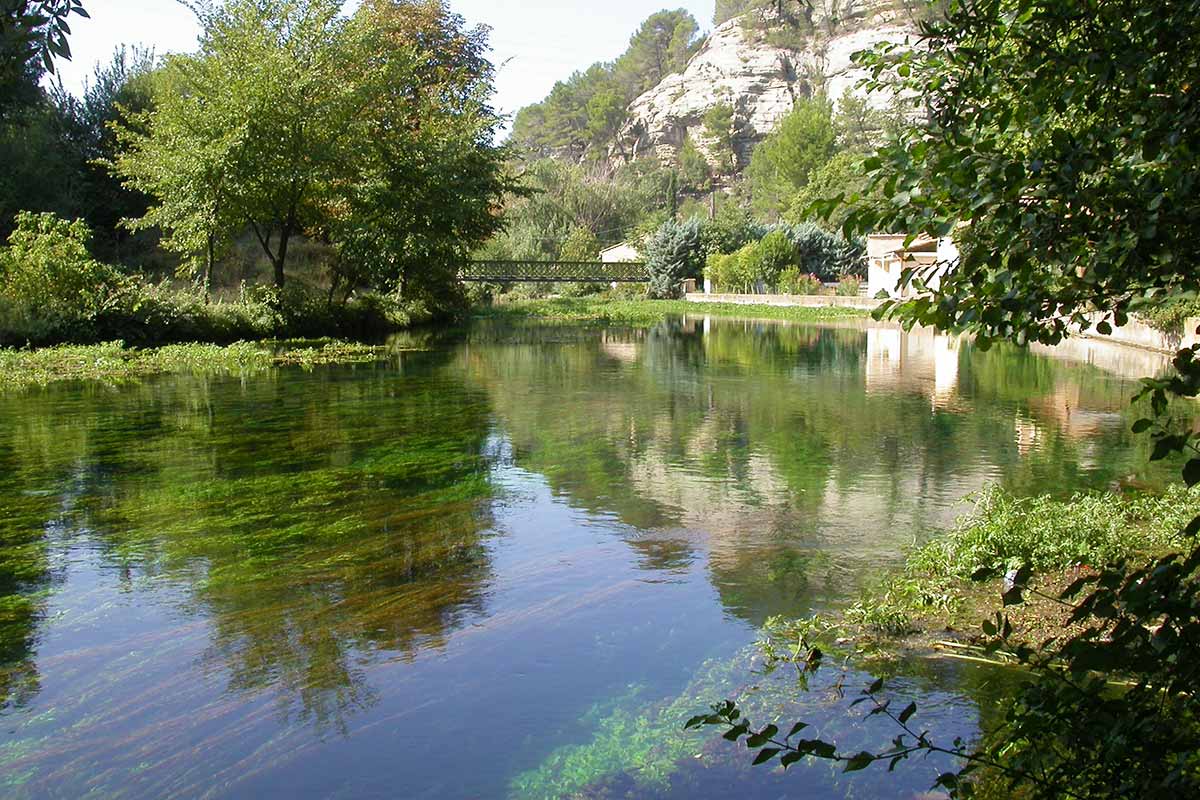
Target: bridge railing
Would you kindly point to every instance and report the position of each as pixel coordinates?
(554, 271)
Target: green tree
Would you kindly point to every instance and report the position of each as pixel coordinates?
(674, 252)
(781, 164)
(371, 133)
(427, 176)
(252, 129)
(661, 45)
(719, 122)
(580, 245)
(693, 168)
(118, 89)
(858, 125)
(842, 175)
(1094, 170)
(52, 143)
(40, 173)
(563, 197)
(726, 10)
(606, 113)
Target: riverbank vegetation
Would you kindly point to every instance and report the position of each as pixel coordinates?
(52, 290)
(956, 579)
(349, 160)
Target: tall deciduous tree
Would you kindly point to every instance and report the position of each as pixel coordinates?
(429, 176)
(252, 130)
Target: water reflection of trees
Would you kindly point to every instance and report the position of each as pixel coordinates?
(781, 443)
(39, 482)
(313, 520)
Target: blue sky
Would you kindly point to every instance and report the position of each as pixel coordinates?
(535, 42)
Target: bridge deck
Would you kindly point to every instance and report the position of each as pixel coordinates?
(554, 271)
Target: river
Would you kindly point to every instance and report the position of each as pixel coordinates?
(506, 562)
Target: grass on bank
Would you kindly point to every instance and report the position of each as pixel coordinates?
(112, 361)
(644, 312)
(1057, 540)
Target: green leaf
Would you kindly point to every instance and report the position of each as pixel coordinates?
(766, 754)
(860, 761)
(1191, 472)
(908, 711)
(1163, 447)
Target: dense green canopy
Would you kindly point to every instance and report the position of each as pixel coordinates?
(372, 133)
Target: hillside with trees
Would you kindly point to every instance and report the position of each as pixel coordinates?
(582, 115)
(734, 127)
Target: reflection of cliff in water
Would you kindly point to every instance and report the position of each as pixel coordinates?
(792, 456)
(316, 520)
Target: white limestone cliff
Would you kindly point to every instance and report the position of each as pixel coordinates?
(761, 80)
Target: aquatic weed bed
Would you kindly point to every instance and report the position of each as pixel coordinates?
(113, 361)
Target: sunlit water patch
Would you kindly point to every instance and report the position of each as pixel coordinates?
(509, 566)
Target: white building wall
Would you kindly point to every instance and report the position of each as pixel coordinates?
(620, 253)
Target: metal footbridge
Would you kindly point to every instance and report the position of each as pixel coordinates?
(554, 271)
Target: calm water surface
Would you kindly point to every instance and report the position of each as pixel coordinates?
(510, 564)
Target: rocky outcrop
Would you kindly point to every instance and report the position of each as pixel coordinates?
(745, 66)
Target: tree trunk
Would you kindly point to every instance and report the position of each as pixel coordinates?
(208, 269)
(284, 235)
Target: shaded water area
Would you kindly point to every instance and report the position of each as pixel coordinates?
(510, 564)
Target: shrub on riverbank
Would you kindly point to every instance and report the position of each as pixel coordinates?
(148, 314)
(793, 281)
(52, 291)
(1169, 315)
(790, 259)
(1039, 534)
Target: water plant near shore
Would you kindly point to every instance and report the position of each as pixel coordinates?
(112, 361)
(1043, 535)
